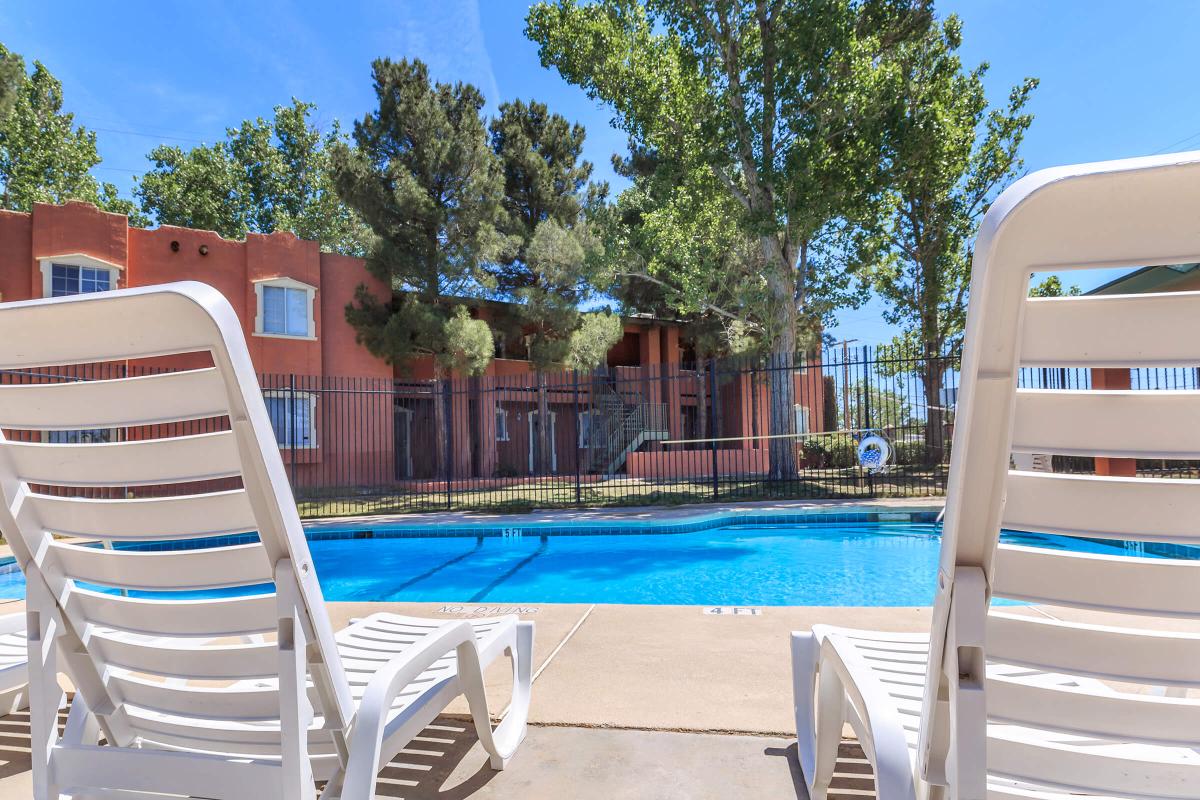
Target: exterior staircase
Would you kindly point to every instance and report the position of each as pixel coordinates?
(620, 428)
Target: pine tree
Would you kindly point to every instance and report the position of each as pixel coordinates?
(424, 179)
(549, 268)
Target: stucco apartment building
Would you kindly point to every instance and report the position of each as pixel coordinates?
(344, 417)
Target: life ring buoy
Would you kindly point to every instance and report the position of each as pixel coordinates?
(874, 453)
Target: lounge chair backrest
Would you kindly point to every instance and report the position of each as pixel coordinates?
(253, 611)
(1120, 214)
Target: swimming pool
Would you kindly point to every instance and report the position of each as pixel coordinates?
(810, 563)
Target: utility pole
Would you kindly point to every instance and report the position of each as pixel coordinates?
(845, 343)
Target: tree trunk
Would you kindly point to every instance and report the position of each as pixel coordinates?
(781, 281)
(542, 462)
(935, 429)
(701, 403)
(440, 429)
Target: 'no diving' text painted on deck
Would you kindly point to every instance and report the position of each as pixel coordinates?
(487, 611)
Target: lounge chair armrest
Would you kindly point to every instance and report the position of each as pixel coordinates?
(366, 734)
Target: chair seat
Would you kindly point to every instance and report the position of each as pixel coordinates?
(365, 646)
(895, 666)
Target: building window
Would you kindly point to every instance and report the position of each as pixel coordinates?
(587, 421)
(285, 308)
(501, 425)
(63, 276)
(801, 418)
(94, 436)
(293, 415)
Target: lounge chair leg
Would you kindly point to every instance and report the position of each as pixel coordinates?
(830, 718)
(500, 742)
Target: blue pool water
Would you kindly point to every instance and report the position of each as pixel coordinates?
(810, 564)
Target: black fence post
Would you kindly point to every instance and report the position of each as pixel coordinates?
(712, 426)
(292, 426)
(446, 399)
(575, 417)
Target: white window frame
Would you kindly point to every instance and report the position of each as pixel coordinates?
(284, 283)
(301, 397)
(46, 264)
(502, 433)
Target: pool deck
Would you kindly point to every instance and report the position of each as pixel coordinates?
(628, 702)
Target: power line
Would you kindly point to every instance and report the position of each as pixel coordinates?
(150, 135)
(1195, 135)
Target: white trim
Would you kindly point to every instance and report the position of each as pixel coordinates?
(46, 263)
(284, 282)
(311, 397)
(553, 442)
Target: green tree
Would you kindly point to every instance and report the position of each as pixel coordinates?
(871, 407)
(952, 155)
(425, 180)
(12, 76)
(44, 156)
(548, 269)
(1051, 286)
(774, 111)
(267, 175)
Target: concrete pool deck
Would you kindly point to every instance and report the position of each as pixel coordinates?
(629, 702)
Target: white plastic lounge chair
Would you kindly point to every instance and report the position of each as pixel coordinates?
(243, 693)
(1000, 704)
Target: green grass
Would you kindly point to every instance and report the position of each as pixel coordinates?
(525, 495)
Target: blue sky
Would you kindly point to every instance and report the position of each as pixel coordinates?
(1117, 78)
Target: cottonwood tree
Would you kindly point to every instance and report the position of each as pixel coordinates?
(783, 105)
(44, 156)
(423, 177)
(549, 268)
(265, 176)
(952, 154)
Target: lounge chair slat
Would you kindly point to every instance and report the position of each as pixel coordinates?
(227, 661)
(156, 771)
(1077, 708)
(1146, 509)
(1117, 423)
(113, 403)
(251, 700)
(207, 568)
(155, 518)
(1088, 765)
(1100, 651)
(209, 617)
(1140, 330)
(1129, 584)
(144, 462)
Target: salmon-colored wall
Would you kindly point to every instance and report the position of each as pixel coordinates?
(16, 256)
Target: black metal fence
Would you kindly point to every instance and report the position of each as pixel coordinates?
(620, 435)
(615, 436)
